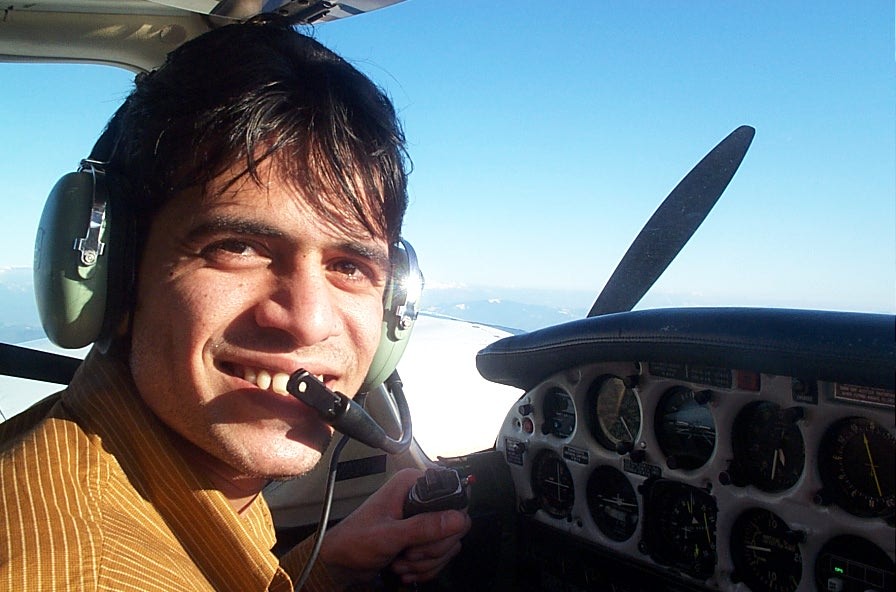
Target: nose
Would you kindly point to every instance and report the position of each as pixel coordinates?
(303, 304)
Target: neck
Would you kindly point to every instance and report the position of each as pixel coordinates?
(239, 489)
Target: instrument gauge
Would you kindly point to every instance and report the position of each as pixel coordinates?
(615, 413)
(559, 414)
(685, 428)
(680, 527)
(857, 467)
(613, 503)
(769, 452)
(552, 484)
(765, 552)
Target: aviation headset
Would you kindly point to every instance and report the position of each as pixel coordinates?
(85, 265)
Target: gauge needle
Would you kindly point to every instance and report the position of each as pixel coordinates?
(777, 456)
(559, 486)
(706, 528)
(871, 463)
(625, 425)
(757, 548)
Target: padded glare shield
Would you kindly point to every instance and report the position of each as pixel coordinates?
(70, 285)
(400, 303)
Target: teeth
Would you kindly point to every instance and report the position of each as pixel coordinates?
(264, 380)
(278, 384)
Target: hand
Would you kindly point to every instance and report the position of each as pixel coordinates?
(376, 535)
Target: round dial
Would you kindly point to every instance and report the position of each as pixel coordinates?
(559, 414)
(613, 503)
(685, 428)
(768, 447)
(765, 552)
(552, 484)
(856, 464)
(680, 527)
(615, 413)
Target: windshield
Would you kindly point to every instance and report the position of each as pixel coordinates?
(543, 140)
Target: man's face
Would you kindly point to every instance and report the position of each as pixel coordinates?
(239, 286)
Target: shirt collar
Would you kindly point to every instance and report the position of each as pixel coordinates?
(232, 550)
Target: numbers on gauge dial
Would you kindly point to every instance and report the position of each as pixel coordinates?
(765, 551)
(856, 461)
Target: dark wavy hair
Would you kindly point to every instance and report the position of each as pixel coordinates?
(246, 93)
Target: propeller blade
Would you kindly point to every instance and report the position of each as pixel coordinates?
(673, 224)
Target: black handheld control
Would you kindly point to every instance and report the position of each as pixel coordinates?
(438, 489)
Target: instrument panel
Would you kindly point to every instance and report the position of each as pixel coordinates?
(720, 478)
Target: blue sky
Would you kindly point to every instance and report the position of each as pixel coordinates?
(544, 136)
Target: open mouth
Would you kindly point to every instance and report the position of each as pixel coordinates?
(264, 379)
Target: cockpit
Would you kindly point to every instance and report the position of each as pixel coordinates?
(675, 441)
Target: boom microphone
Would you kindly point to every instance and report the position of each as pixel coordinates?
(347, 416)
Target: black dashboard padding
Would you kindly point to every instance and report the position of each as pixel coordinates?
(854, 348)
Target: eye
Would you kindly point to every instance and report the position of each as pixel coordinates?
(232, 246)
(357, 273)
(348, 269)
(232, 251)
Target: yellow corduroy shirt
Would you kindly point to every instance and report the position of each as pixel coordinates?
(96, 497)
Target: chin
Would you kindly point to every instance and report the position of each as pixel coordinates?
(292, 459)
(279, 468)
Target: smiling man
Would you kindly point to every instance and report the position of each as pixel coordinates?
(238, 292)
(258, 184)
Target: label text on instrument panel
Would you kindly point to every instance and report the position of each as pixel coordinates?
(576, 455)
(706, 375)
(513, 451)
(865, 394)
(642, 469)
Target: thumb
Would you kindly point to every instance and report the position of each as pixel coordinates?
(395, 491)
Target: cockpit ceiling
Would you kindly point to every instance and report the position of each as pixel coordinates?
(236, 9)
(138, 34)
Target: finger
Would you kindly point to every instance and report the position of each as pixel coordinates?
(425, 569)
(431, 550)
(430, 527)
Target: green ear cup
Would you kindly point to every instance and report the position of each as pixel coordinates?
(70, 262)
(400, 304)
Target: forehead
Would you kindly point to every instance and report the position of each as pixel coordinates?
(273, 213)
(270, 198)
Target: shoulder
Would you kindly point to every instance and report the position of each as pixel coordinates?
(14, 427)
(71, 519)
(43, 446)
(49, 519)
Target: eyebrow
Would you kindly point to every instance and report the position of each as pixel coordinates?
(376, 256)
(242, 226)
(235, 225)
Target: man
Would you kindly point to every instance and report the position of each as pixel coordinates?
(262, 181)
